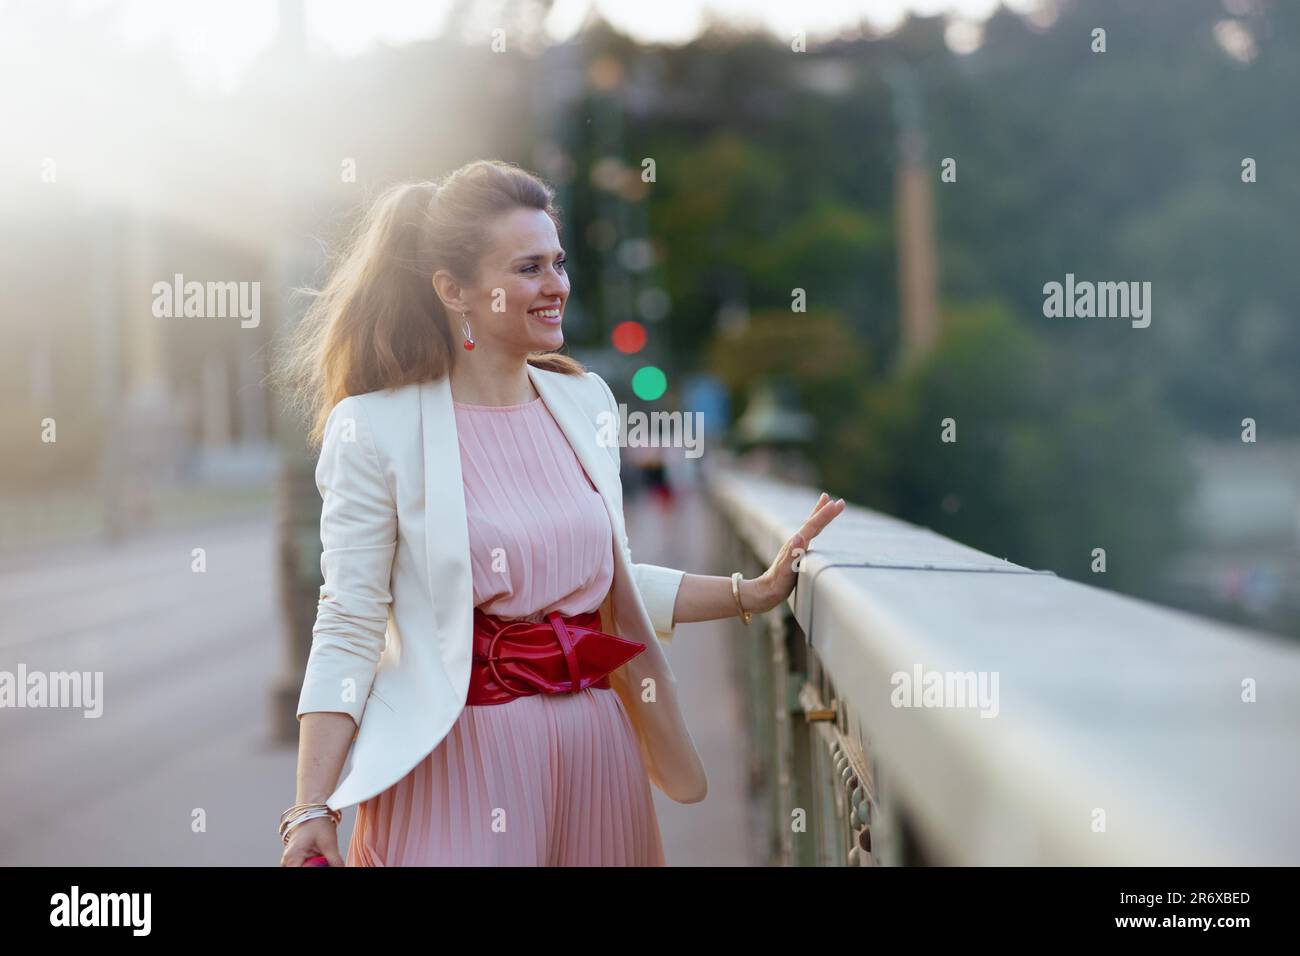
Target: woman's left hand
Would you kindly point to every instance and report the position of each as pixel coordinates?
(775, 584)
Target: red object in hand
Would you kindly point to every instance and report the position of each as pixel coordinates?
(317, 861)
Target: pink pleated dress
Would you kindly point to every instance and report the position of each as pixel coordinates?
(544, 780)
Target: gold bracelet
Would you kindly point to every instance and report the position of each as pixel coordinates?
(302, 812)
(745, 616)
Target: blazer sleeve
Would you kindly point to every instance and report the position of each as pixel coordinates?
(658, 585)
(358, 532)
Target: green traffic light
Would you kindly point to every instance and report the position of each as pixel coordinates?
(649, 383)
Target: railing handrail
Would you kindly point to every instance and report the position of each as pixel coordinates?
(1105, 703)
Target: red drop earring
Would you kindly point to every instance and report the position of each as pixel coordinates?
(469, 338)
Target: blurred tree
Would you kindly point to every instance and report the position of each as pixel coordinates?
(725, 216)
(1043, 469)
(813, 352)
(775, 172)
(1127, 166)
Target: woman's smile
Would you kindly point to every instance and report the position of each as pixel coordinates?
(549, 315)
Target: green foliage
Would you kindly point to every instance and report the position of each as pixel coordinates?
(732, 227)
(812, 351)
(1127, 165)
(1043, 469)
(1122, 166)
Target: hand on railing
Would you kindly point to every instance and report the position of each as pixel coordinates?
(703, 597)
(775, 584)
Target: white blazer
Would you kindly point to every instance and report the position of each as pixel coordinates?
(392, 641)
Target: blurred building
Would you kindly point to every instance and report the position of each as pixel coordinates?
(125, 177)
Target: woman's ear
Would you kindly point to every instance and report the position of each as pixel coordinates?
(448, 290)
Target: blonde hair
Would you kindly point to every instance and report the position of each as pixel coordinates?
(378, 323)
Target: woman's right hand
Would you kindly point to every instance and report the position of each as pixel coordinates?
(318, 837)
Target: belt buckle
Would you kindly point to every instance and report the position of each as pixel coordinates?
(562, 639)
(492, 664)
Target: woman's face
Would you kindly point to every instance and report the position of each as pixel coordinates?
(523, 286)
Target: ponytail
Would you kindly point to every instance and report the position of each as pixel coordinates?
(378, 323)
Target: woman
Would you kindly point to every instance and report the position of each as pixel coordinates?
(482, 631)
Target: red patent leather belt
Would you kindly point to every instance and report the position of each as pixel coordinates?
(561, 655)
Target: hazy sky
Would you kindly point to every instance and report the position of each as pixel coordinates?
(217, 38)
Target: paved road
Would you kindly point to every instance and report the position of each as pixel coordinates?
(718, 830)
(187, 660)
(179, 769)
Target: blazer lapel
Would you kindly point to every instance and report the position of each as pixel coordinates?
(672, 761)
(451, 586)
(576, 425)
(446, 533)
(621, 608)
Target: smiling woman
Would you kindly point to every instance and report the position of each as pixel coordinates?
(513, 303)
(483, 633)
(430, 268)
